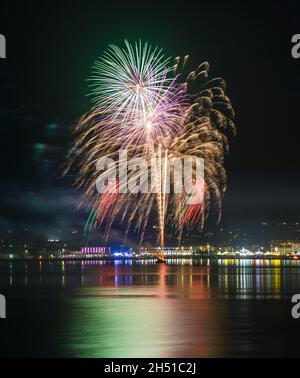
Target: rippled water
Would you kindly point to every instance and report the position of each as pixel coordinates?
(187, 308)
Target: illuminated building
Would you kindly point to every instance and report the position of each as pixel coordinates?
(167, 251)
(95, 250)
(87, 252)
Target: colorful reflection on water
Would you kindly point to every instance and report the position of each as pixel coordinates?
(187, 308)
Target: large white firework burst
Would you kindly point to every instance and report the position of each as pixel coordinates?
(132, 88)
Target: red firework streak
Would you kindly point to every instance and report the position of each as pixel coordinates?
(192, 204)
(107, 201)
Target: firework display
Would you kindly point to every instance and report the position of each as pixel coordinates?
(144, 104)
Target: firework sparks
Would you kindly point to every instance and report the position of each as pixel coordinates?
(142, 103)
(134, 93)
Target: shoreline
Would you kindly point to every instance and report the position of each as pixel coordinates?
(144, 258)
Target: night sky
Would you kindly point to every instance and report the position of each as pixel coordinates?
(51, 46)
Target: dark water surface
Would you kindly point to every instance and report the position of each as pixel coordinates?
(200, 308)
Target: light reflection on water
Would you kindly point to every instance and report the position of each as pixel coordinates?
(187, 308)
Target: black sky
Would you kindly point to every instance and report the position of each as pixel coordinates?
(51, 46)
